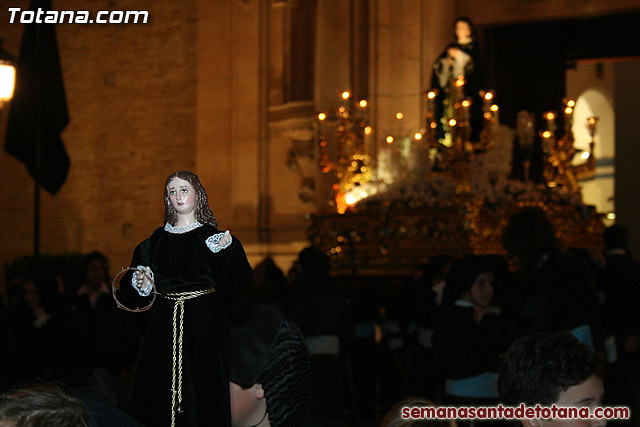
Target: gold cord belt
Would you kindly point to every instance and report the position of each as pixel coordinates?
(176, 384)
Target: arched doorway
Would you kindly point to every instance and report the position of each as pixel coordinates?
(596, 102)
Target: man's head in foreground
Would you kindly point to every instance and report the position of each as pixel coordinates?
(270, 370)
(549, 369)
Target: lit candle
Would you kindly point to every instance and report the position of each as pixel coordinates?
(431, 99)
(495, 117)
(465, 109)
(362, 109)
(546, 140)
(591, 125)
(321, 118)
(568, 118)
(459, 88)
(550, 117)
(487, 98)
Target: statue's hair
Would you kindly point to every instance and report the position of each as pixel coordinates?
(202, 211)
(286, 378)
(42, 406)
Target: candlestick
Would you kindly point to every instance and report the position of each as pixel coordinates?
(459, 88)
(591, 125)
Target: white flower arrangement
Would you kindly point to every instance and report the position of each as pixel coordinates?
(487, 176)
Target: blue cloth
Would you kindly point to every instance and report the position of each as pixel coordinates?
(583, 334)
(484, 385)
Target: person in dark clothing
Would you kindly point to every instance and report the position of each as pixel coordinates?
(109, 342)
(552, 293)
(619, 292)
(181, 377)
(421, 298)
(619, 285)
(108, 339)
(318, 307)
(270, 372)
(472, 333)
(42, 330)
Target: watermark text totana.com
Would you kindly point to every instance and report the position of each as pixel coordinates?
(41, 16)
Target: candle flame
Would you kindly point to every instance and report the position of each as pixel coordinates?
(399, 116)
(346, 94)
(363, 103)
(322, 116)
(494, 108)
(389, 139)
(431, 94)
(417, 136)
(452, 122)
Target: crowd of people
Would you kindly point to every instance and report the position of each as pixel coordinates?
(307, 348)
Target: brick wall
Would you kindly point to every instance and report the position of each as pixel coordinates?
(131, 92)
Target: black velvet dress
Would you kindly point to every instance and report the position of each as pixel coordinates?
(182, 262)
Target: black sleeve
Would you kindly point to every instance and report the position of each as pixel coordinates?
(233, 272)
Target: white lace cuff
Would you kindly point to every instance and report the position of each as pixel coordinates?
(142, 291)
(213, 242)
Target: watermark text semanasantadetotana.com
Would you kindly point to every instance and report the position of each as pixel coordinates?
(515, 412)
(40, 16)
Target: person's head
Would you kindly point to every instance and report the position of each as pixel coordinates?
(548, 369)
(393, 418)
(314, 264)
(270, 370)
(528, 236)
(42, 291)
(41, 406)
(186, 186)
(471, 279)
(616, 237)
(96, 269)
(268, 274)
(463, 28)
(434, 270)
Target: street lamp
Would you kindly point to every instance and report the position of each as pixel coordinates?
(7, 76)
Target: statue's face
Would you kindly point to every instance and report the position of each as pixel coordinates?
(462, 30)
(182, 196)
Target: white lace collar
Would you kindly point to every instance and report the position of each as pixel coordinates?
(179, 230)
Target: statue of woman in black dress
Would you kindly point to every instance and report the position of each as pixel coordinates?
(181, 377)
(460, 58)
